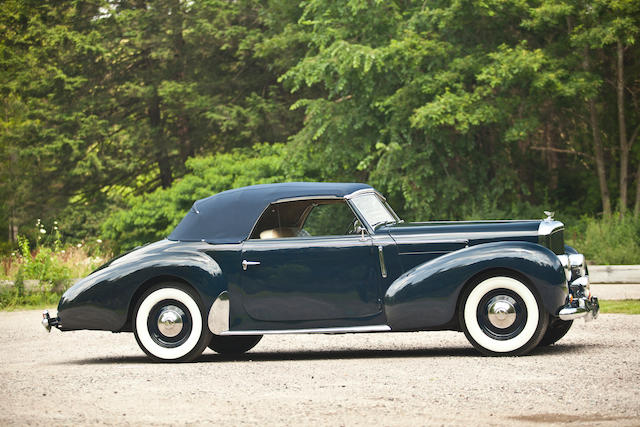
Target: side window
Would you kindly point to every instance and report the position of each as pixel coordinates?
(304, 218)
(332, 219)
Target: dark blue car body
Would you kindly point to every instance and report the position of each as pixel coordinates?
(391, 276)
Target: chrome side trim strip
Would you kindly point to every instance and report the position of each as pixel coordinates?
(344, 330)
(424, 253)
(409, 238)
(218, 320)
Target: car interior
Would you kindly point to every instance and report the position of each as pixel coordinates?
(304, 218)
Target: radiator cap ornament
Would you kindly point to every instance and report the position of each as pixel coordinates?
(549, 215)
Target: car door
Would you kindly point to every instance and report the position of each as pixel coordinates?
(311, 276)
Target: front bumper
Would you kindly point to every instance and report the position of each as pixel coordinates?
(580, 302)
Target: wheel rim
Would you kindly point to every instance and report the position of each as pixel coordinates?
(501, 332)
(502, 314)
(153, 330)
(169, 323)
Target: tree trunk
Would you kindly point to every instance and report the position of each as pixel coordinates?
(162, 155)
(599, 154)
(636, 209)
(598, 148)
(552, 159)
(624, 146)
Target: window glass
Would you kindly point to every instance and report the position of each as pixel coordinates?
(332, 219)
(372, 209)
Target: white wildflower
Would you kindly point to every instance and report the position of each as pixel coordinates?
(55, 227)
(55, 222)
(99, 240)
(79, 245)
(43, 231)
(63, 251)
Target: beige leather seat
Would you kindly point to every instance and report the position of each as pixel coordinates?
(278, 233)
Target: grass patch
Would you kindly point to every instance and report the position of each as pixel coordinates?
(626, 306)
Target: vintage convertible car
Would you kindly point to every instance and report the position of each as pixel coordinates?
(332, 258)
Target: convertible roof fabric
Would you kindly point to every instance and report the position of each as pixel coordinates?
(228, 217)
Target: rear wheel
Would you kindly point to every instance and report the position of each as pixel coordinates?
(168, 323)
(501, 316)
(233, 344)
(557, 329)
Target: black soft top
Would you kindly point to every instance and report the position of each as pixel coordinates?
(228, 217)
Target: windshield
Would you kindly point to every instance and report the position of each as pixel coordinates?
(373, 209)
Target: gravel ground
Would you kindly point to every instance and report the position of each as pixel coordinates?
(592, 377)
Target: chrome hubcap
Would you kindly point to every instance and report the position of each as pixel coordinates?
(501, 311)
(170, 321)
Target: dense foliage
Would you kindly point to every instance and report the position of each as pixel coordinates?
(116, 115)
(152, 217)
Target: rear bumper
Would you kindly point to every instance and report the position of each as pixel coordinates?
(48, 321)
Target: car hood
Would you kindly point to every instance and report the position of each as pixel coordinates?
(473, 232)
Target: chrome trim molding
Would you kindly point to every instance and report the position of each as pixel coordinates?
(383, 267)
(363, 191)
(409, 238)
(300, 198)
(547, 227)
(348, 329)
(218, 320)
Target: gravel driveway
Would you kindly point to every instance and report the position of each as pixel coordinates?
(591, 377)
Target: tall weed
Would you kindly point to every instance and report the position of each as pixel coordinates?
(607, 241)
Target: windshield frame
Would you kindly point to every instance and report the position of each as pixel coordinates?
(363, 218)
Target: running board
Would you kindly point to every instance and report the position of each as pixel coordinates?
(345, 330)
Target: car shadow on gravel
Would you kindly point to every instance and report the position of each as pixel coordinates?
(278, 356)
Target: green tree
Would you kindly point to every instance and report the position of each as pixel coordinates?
(152, 217)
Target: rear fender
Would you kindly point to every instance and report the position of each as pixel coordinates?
(104, 299)
(426, 297)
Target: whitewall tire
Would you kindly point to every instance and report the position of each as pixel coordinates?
(501, 316)
(168, 323)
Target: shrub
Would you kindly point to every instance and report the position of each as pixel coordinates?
(43, 267)
(608, 241)
(153, 216)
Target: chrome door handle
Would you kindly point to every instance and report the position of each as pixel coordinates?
(245, 263)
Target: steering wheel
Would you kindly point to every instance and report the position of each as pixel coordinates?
(352, 228)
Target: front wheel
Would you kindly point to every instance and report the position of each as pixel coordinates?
(168, 323)
(501, 316)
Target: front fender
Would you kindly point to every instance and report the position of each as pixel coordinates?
(426, 297)
(102, 300)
